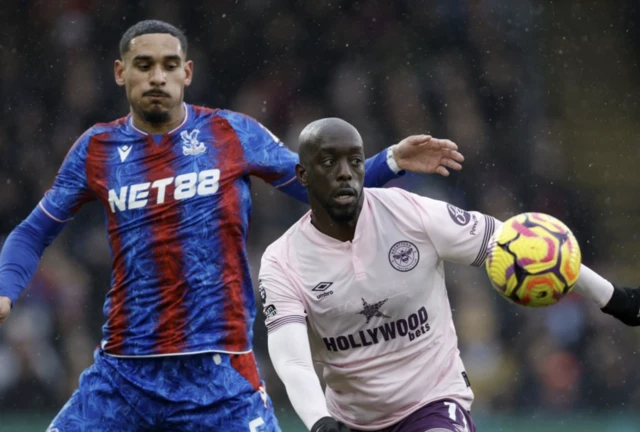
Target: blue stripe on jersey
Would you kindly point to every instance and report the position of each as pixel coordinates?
(177, 218)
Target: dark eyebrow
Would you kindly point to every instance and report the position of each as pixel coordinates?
(174, 57)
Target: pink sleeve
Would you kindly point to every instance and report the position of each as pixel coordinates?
(280, 301)
(458, 236)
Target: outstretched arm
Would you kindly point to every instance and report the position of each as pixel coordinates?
(462, 237)
(266, 157)
(24, 247)
(619, 302)
(21, 254)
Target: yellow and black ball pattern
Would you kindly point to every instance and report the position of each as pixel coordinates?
(533, 260)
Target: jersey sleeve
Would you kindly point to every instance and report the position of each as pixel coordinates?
(281, 303)
(22, 251)
(458, 236)
(70, 189)
(268, 158)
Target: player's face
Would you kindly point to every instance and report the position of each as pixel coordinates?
(154, 73)
(335, 178)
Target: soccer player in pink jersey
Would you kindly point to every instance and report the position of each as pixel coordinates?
(357, 285)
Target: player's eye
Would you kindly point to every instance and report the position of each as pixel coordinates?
(357, 161)
(171, 66)
(328, 162)
(143, 66)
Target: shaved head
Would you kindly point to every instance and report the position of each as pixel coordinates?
(325, 130)
(332, 169)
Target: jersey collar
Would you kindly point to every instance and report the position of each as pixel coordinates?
(140, 131)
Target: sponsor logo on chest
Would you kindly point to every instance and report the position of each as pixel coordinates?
(411, 327)
(185, 186)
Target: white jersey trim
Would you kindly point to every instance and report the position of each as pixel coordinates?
(177, 354)
(50, 215)
(291, 180)
(184, 121)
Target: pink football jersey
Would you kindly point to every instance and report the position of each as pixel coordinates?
(376, 308)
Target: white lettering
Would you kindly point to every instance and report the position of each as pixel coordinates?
(185, 186)
(138, 195)
(162, 187)
(118, 201)
(208, 182)
(188, 185)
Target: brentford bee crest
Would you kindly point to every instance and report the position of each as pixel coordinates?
(404, 256)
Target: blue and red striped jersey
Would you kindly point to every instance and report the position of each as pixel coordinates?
(177, 214)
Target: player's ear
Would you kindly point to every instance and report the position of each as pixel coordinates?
(188, 72)
(118, 72)
(301, 174)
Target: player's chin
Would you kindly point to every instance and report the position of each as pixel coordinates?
(344, 213)
(156, 115)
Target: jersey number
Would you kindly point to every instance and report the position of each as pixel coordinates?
(453, 415)
(255, 424)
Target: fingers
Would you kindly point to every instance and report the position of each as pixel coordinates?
(5, 308)
(416, 139)
(450, 163)
(456, 156)
(444, 144)
(442, 171)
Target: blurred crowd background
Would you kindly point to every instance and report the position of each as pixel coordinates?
(541, 97)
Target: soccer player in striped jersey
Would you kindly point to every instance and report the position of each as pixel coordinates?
(173, 180)
(357, 285)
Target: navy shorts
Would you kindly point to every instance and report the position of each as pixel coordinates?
(202, 392)
(441, 416)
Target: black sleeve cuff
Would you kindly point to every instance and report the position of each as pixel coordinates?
(624, 305)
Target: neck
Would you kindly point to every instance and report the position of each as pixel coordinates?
(176, 116)
(343, 231)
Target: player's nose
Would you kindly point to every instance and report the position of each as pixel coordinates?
(158, 76)
(344, 170)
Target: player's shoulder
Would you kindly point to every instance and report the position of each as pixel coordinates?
(107, 127)
(233, 117)
(98, 132)
(393, 197)
(237, 121)
(203, 112)
(279, 250)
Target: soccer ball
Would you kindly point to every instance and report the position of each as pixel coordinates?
(533, 260)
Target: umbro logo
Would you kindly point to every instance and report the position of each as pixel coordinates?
(124, 152)
(322, 287)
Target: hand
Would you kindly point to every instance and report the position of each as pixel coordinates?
(427, 155)
(5, 308)
(329, 424)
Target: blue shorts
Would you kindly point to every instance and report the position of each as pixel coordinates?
(201, 392)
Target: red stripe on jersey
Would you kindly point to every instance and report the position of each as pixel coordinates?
(200, 111)
(230, 157)
(96, 168)
(164, 220)
(246, 366)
